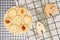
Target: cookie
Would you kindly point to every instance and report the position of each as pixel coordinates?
(12, 12)
(27, 19)
(24, 28)
(7, 22)
(17, 20)
(50, 9)
(22, 11)
(40, 27)
(14, 29)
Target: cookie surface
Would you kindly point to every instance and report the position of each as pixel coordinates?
(22, 11)
(27, 19)
(40, 27)
(14, 29)
(7, 21)
(50, 9)
(12, 12)
(17, 20)
(23, 28)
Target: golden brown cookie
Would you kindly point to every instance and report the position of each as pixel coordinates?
(24, 28)
(50, 9)
(17, 20)
(22, 11)
(14, 29)
(27, 19)
(12, 12)
(7, 22)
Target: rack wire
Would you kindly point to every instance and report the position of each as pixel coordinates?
(36, 8)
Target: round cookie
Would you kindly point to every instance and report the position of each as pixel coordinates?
(22, 11)
(17, 20)
(27, 19)
(7, 22)
(24, 28)
(14, 29)
(50, 9)
(12, 12)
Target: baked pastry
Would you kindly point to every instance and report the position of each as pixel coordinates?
(50, 9)
(27, 19)
(22, 11)
(12, 12)
(14, 29)
(7, 22)
(40, 28)
(24, 28)
(17, 20)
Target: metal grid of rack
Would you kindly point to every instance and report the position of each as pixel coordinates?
(36, 9)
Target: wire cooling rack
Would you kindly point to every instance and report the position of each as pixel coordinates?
(36, 8)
